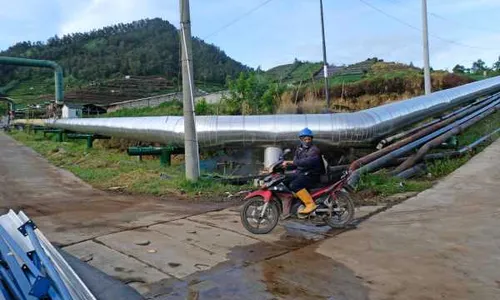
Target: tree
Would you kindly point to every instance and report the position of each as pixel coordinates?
(252, 93)
(496, 65)
(459, 69)
(145, 47)
(478, 66)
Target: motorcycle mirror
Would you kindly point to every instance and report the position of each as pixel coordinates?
(286, 151)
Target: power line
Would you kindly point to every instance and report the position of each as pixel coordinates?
(438, 16)
(237, 19)
(419, 29)
(461, 24)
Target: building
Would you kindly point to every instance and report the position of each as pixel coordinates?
(72, 110)
(93, 110)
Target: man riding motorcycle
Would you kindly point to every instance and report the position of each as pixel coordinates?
(309, 167)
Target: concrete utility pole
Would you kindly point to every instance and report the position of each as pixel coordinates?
(425, 32)
(192, 156)
(325, 64)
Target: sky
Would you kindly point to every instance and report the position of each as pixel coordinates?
(267, 33)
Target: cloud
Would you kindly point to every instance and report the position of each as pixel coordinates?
(87, 15)
(451, 55)
(278, 32)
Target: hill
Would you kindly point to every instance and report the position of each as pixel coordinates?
(294, 72)
(145, 49)
(300, 71)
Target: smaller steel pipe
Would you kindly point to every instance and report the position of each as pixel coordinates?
(449, 154)
(411, 131)
(414, 171)
(422, 133)
(440, 139)
(387, 158)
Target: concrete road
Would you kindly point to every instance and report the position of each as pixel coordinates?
(143, 241)
(442, 244)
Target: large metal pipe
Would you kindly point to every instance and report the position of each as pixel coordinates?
(343, 129)
(58, 71)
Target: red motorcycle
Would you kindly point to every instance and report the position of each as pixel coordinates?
(274, 201)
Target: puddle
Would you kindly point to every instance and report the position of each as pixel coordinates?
(301, 274)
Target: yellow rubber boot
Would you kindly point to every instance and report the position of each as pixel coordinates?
(306, 198)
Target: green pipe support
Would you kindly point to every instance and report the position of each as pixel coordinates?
(58, 131)
(163, 152)
(58, 71)
(35, 128)
(89, 137)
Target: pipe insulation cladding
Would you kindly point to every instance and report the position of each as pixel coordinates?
(340, 129)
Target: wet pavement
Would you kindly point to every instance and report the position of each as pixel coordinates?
(154, 245)
(441, 244)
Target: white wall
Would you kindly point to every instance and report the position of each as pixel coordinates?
(69, 113)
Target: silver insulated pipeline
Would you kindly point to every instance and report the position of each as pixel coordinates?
(339, 129)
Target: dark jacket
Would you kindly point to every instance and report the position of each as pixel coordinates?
(309, 161)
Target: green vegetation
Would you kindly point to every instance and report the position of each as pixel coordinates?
(113, 169)
(342, 79)
(172, 108)
(444, 167)
(479, 70)
(293, 73)
(385, 185)
(251, 93)
(29, 91)
(141, 48)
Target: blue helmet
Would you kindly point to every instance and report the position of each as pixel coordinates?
(306, 132)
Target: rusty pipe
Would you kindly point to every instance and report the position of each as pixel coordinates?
(377, 154)
(440, 139)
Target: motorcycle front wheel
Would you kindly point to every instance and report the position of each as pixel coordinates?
(342, 212)
(254, 221)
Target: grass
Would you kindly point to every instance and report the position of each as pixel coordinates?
(444, 167)
(27, 91)
(171, 108)
(385, 185)
(347, 78)
(106, 168)
(294, 72)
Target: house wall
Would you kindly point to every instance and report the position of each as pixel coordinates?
(69, 113)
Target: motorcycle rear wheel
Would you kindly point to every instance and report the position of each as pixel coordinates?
(252, 211)
(345, 216)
